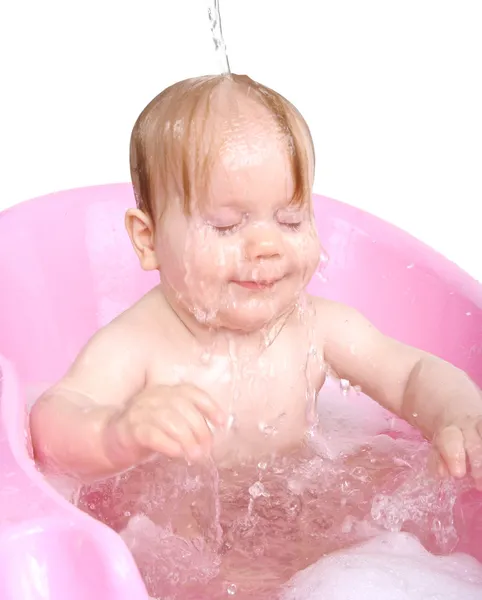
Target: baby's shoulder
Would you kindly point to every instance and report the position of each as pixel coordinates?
(324, 310)
(331, 317)
(114, 362)
(144, 320)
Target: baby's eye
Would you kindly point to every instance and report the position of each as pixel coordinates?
(225, 229)
(292, 226)
(290, 219)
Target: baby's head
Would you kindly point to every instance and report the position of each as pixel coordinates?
(222, 169)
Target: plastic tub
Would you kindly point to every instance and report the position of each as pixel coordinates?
(67, 268)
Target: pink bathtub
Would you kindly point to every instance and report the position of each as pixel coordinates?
(66, 268)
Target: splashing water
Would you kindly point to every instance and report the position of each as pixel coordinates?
(249, 532)
(322, 264)
(217, 33)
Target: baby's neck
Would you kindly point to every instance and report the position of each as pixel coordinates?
(216, 339)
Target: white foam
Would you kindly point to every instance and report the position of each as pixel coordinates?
(392, 566)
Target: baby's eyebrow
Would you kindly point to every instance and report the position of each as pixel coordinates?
(223, 208)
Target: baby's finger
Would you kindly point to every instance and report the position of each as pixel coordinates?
(473, 447)
(197, 423)
(208, 407)
(177, 428)
(442, 469)
(450, 444)
(155, 439)
(436, 464)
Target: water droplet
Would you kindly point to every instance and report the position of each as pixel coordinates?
(321, 267)
(360, 473)
(231, 589)
(266, 429)
(436, 525)
(357, 389)
(468, 314)
(205, 357)
(127, 513)
(344, 386)
(410, 266)
(347, 524)
(257, 490)
(414, 415)
(345, 485)
(230, 422)
(262, 466)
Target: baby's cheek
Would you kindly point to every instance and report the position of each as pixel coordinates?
(212, 260)
(306, 251)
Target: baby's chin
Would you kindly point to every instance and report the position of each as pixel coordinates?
(248, 317)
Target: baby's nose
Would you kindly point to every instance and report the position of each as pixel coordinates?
(262, 243)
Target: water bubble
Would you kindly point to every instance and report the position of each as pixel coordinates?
(231, 589)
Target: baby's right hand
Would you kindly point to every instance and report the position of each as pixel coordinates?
(171, 420)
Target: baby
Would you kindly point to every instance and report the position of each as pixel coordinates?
(226, 356)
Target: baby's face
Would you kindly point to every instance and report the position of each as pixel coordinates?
(244, 255)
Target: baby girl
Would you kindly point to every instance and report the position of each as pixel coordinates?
(229, 346)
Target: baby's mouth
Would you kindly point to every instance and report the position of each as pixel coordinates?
(256, 285)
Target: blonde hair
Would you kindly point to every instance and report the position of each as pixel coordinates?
(171, 131)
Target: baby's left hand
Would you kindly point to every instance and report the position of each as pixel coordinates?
(459, 447)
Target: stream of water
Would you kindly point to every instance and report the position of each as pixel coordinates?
(217, 33)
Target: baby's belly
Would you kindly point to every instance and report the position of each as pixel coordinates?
(248, 439)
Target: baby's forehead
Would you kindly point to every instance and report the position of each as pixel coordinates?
(238, 122)
(236, 139)
(201, 128)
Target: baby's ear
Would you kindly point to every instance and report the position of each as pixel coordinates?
(141, 232)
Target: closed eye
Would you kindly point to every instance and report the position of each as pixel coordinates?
(292, 226)
(226, 229)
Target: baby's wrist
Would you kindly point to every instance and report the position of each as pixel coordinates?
(120, 448)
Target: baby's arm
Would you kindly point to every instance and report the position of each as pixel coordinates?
(431, 394)
(69, 423)
(103, 416)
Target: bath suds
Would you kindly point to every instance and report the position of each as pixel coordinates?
(392, 566)
(354, 488)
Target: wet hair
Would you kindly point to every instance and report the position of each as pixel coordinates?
(173, 142)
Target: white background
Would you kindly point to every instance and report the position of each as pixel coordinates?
(392, 91)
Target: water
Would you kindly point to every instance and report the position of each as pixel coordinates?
(262, 530)
(217, 33)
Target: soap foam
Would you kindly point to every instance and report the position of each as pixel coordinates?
(392, 566)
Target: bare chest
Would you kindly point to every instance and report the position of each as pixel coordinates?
(268, 395)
